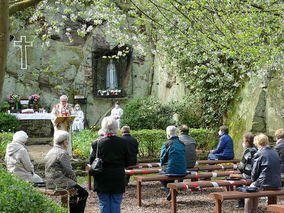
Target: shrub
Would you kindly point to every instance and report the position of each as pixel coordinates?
(82, 142)
(20, 196)
(5, 138)
(147, 113)
(8, 123)
(150, 142)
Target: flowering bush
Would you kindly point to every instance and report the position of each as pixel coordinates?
(13, 98)
(34, 100)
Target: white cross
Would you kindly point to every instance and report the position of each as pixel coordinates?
(23, 44)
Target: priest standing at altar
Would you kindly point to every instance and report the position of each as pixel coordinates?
(63, 109)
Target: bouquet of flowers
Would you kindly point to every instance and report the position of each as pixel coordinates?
(13, 98)
(34, 101)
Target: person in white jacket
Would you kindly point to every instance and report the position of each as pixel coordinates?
(18, 160)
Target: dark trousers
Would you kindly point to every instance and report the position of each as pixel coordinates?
(78, 200)
(165, 184)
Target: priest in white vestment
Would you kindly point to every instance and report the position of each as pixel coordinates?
(60, 110)
(117, 112)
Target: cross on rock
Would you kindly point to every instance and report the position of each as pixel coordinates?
(23, 44)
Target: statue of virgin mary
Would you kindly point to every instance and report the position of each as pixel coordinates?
(111, 77)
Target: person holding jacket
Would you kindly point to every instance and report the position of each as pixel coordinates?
(18, 160)
(225, 148)
(113, 150)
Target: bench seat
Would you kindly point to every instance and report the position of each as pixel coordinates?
(201, 184)
(194, 176)
(277, 208)
(233, 195)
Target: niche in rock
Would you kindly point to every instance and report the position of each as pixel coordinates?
(111, 72)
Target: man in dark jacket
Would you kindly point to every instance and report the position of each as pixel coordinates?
(190, 146)
(279, 147)
(225, 148)
(132, 145)
(172, 157)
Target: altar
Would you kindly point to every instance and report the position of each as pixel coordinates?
(38, 126)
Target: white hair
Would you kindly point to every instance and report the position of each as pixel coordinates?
(60, 136)
(20, 136)
(171, 131)
(63, 97)
(109, 125)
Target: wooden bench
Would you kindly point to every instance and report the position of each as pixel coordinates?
(201, 184)
(277, 208)
(200, 162)
(194, 176)
(157, 170)
(63, 193)
(233, 195)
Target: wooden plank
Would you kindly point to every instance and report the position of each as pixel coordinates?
(277, 208)
(174, 200)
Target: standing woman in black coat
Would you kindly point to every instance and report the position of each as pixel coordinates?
(110, 184)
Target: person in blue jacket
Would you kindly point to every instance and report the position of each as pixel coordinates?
(225, 148)
(172, 158)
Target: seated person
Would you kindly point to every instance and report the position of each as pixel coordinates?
(59, 173)
(172, 158)
(190, 146)
(18, 160)
(132, 145)
(245, 166)
(225, 148)
(279, 147)
(265, 172)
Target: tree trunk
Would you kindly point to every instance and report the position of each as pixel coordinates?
(4, 40)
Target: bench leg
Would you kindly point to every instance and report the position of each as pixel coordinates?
(218, 206)
(138, 195)
(174, 200)
(89, 182)
(272, 200)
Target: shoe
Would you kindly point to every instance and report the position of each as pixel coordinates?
(169, 196)
(241, 204)
(163, 189)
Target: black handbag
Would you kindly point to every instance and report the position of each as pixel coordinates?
(97, 165)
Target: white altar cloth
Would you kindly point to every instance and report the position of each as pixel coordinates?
(34, 116)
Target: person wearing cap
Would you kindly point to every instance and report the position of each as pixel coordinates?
(18, 160)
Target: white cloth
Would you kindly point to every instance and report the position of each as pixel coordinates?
(56, 112)
(78, 123)
(34, 116)
(18, 162)
(117, 112)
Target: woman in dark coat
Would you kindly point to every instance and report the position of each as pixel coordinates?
(265, 172)
(110, 184)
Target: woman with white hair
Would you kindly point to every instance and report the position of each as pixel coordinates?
(265, 172)
(59, 173)
(110, 184)
(18, 160)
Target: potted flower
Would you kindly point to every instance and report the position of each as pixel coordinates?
(13, 100)
(34, 101)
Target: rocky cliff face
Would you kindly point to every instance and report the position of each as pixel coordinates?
(260, 109)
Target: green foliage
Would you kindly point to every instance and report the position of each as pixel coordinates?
(147, 113)
(8, 123)
(5, 138)
(150, 141)
(20, 196)
(82, 142)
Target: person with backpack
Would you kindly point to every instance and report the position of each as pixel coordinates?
(172, 158)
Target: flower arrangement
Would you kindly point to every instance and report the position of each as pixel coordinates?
(34, 101)
(13, 98)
